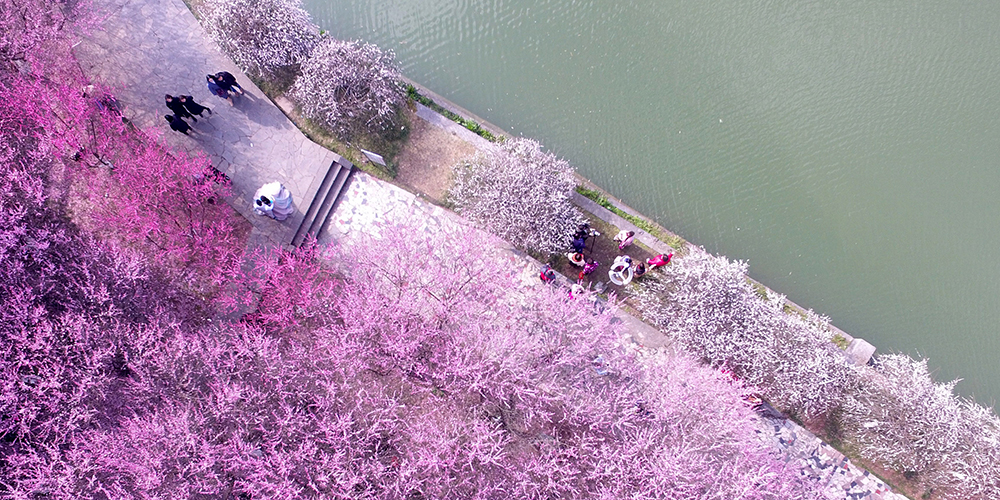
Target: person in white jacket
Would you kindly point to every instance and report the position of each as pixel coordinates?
(624, 239)
(273, 200)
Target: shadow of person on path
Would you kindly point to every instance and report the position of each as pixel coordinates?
(261, 111)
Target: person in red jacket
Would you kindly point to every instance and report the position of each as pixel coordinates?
(547, 274)
(659, 260)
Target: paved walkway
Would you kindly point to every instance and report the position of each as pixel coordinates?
(838, 477)
(149, 48)
(369, 202)
(154, 47)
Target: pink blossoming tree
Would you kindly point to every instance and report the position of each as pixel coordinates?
(439, 375)
(430, 371)
(151, 197)
(33, 34)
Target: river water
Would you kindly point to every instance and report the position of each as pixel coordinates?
(847, 149)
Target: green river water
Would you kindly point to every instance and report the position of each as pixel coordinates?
(847, 149)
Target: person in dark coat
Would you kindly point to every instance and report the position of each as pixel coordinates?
(640, 269)
(547, 275)
(227, 81)
(193, 107)
(177, 107)
(216, 89)
(588, 268)
(177, 124)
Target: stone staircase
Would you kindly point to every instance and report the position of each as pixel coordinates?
(325, 201)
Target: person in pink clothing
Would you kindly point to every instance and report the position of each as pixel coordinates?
(588, 268)
(659, 260)
(624, 239)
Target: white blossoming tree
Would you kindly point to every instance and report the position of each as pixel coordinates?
(519, 193)
(900, 417)
(893, 414)
(708, 304)
(350, 86)
(262, 36)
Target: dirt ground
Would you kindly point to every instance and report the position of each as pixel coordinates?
(425, 161)
(602, 249)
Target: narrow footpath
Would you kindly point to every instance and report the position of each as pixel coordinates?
(149, 48)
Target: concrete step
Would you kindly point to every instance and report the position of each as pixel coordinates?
(317, 201)
(340, 186)
(324, 201)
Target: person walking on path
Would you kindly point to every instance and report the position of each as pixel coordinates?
(193, 107)
(175, 105)
(227, 81)
(177, 124)
(624, 239)
(216, 89)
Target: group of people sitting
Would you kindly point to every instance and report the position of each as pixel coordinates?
(622, 270)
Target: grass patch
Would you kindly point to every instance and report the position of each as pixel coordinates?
(472, 125)
(759, 289)
(788, 308)
(388, 144)
(840, 341)
(676, 242)
(278, 83)
(606, 230)
(321, 135)
(194, 6)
